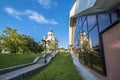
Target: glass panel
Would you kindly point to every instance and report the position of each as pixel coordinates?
(88, 59)
(93, 35)
(77, 31)
(80, 25)
(89, 45)
(114, 17)
(83, 19)
(95, 50)
(76, 36)
(104, 21)
(91, 21)
(85, 27)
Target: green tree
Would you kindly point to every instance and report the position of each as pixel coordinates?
(10, 39)
(31, 45)
(53, 45)
(15, 43)
(22, 44)
(0, 46)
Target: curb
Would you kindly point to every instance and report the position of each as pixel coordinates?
(25, 74)
(5, 70)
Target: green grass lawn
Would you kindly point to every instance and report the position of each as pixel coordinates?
(7, 60)
(61, 68)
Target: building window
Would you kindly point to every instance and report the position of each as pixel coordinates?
(114, 17)
(104, 21)
(87, 37)
(91, 21)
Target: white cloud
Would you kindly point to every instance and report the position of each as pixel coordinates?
(47, 3)
(13, 12)
(53, 22)
(39, 18)
(32, 15)
(36, 17)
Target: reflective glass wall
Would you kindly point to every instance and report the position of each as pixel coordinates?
(88, 40)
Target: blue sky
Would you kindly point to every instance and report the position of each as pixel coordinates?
(36, 17)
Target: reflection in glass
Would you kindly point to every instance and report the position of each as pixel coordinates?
(85, 42)
(87, 37)
(114, 17)
(85, 27)
(95, 39)
(83, 18)
(95, 53)
(91, 21)
(104, 21)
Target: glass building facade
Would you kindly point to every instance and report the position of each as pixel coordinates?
(88, 41)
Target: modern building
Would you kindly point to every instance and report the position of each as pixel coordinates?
(100, 22)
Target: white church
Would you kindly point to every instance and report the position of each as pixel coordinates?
(85, 42)
(51, 41)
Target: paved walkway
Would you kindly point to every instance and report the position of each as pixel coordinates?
(83, 72)
(20, 72)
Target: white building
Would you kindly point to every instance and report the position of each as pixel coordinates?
(51, 36)
(85, 42)
(51, 41)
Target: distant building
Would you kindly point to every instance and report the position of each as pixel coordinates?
(85, 42)
(61, 49)
(51, 42)
(51, 36)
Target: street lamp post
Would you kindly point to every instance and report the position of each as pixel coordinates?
(44, 42)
